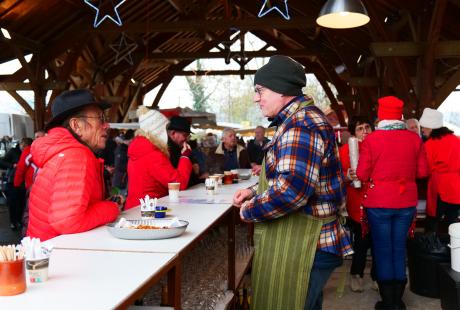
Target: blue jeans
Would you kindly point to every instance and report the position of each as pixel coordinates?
(389, 228)
(323, 265)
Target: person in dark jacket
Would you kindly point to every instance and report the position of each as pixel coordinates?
(256, 145)
(228, 154)
(120, 176)
(179, 132)
(14, 195)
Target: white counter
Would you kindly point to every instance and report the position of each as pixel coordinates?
(200, 218)
(89, 280)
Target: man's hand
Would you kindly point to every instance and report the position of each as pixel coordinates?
(351, 175)
(241, 196)
(256, 169)
(119, 200)
(186, 150)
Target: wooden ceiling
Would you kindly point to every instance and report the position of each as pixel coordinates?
(410, 48)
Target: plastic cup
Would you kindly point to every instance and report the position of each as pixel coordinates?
(215, 178)
(210, 185)
(220, 178)
(37, 270)
(173, 189)
(228, 177)
(235, 176)
(12, 278)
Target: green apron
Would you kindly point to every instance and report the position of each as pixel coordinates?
(284, 252)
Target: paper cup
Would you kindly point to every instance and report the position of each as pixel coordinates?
(37, 270)
(173, 189)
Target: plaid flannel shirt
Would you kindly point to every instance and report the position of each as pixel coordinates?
(303, 173)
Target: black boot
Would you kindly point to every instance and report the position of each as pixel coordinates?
(386, 292)
(399, 287)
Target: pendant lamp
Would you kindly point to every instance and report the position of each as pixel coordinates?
(342, 14)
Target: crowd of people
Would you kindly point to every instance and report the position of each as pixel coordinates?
(77, 176)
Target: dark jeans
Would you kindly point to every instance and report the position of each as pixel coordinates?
(449, 210)
(15, 200)
(389, 228)
(323, 266)
(360, 246)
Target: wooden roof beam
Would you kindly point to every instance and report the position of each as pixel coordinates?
(246, 24)
(403, 84)
(449, 86)
(214, 72)
(363, 82)
(161, 91)
(442, 49)
(47, 85)
(251, 54)
(22, 102)
(427, 69)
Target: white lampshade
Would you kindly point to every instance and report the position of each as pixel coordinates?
(342, 14)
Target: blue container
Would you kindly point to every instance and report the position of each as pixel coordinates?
(160, 212)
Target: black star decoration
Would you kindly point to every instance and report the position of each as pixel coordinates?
(124, 49)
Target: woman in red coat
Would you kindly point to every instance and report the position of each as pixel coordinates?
(390, 160)
(360, 127)
(443, 152)
(149, 168)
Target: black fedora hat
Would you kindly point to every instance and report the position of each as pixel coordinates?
(70, 102)
(179, 123)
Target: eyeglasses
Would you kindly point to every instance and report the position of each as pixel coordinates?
(102, 118)
(259, 90)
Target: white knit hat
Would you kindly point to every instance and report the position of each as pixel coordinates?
(431, 119)
(153, 122)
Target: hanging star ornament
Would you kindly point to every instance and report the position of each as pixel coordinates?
(124, 49)
(104, 11)
(264, 10)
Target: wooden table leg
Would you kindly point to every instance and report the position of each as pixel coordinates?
(231, 253)
(174, 285)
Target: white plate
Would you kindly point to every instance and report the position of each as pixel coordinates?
(147, 234)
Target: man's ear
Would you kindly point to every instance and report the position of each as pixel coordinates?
(75, 125)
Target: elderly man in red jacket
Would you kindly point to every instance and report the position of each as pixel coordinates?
(68, 193)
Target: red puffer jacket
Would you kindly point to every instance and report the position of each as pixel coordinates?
(68, 192)
(24, 169)
(150, 171)
(391, 160)
(444, 161)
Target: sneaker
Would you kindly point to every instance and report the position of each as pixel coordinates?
(356, 283)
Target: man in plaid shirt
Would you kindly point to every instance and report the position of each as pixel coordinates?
(302, 168)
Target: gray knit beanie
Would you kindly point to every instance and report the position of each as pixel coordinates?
(283, 75)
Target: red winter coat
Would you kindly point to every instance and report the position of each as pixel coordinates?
(150, 171)
(444, 162)
(24, 169)
(391, 160)
(354, 195)
(68, 193)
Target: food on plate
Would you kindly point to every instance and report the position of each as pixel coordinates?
(147, 227)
